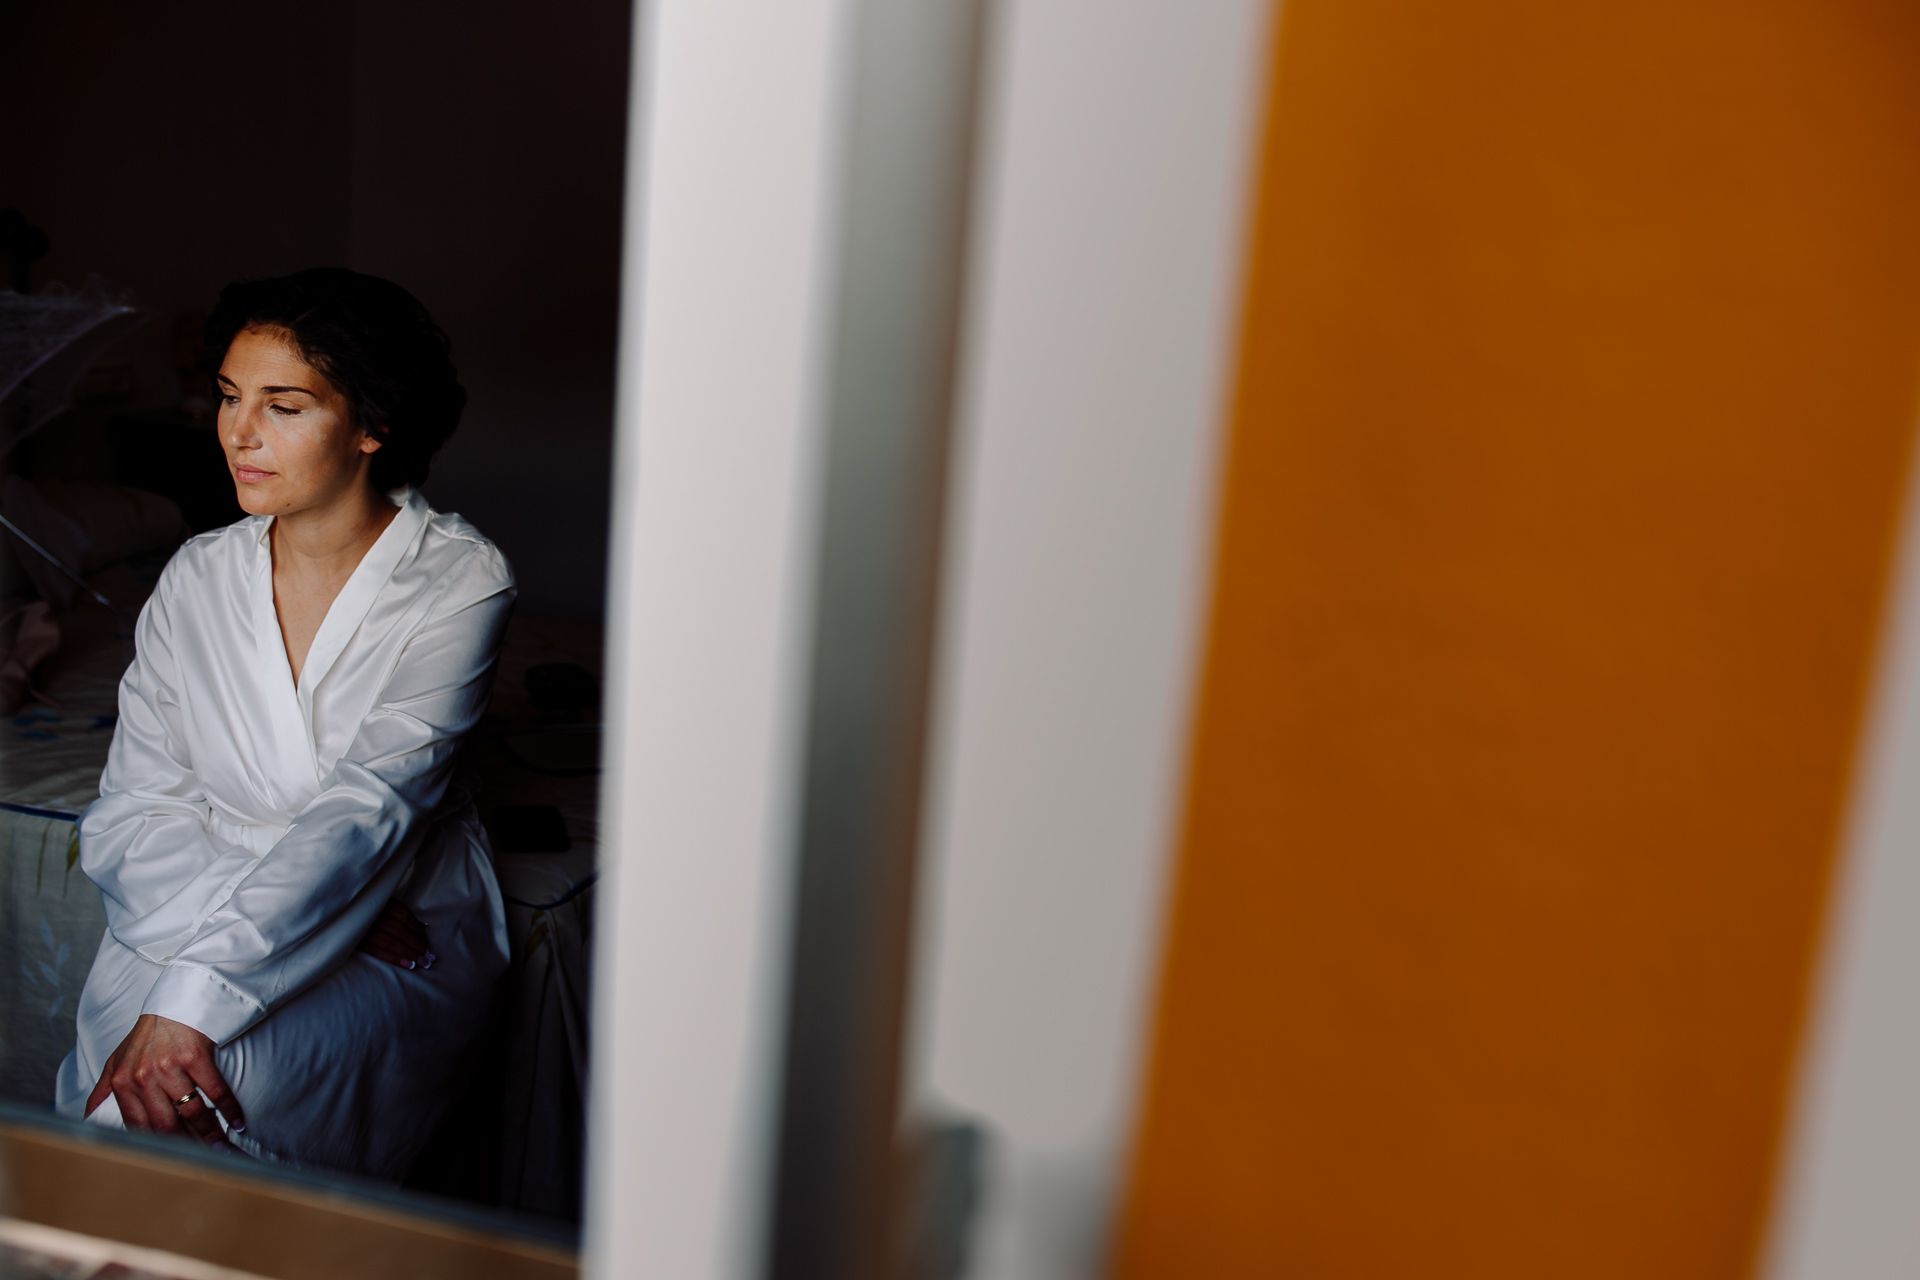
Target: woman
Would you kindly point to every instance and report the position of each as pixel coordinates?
(303, 925)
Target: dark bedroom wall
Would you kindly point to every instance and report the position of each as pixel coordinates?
(170, 148)
(487, 179)
(465, 150)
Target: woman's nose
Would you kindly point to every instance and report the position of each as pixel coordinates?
(239, 428)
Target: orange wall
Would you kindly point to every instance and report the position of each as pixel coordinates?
(1577, 376)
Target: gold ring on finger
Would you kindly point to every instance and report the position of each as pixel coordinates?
(181, 1102)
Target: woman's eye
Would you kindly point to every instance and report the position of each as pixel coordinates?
(285, 410)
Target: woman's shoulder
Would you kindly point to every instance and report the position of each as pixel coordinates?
(453, 550)
(216, 552)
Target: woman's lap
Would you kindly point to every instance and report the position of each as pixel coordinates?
(350, 1074)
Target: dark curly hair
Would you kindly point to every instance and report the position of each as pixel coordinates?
(373, 341)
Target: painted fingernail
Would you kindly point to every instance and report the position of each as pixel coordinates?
(409, 964)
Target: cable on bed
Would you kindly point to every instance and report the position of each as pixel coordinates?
(560, 901)
(33, 811)
(59, 564)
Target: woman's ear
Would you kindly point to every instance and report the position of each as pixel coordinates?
(369, 442)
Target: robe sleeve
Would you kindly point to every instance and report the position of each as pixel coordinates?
(306, 904)
(145, 840)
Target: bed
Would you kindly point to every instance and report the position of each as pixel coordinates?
(516, 1138)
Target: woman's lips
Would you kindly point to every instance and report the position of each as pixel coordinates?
(251, 475)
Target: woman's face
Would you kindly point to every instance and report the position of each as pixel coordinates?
(289, 433)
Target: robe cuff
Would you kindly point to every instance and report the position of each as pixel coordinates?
(202, 999)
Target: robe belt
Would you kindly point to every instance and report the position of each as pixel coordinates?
(258, 838)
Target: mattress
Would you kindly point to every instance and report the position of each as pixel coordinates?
(523, 1123)
(51, 754)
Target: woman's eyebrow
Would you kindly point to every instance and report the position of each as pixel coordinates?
(272, 391)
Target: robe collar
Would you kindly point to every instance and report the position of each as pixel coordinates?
(350, 607)
(344, 616)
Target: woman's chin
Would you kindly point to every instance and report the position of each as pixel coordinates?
(253, 500)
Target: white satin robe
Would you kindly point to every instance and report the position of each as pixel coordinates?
(249, 830)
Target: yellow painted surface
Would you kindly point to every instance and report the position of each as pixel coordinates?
(1577, 378)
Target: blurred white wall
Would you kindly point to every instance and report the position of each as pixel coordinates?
(723, 298)
(1849, 1174)
(1116, 174)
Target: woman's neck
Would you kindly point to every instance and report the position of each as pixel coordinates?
(329, 542)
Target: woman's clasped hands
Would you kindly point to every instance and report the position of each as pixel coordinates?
(164, 1079)
(399, 938)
